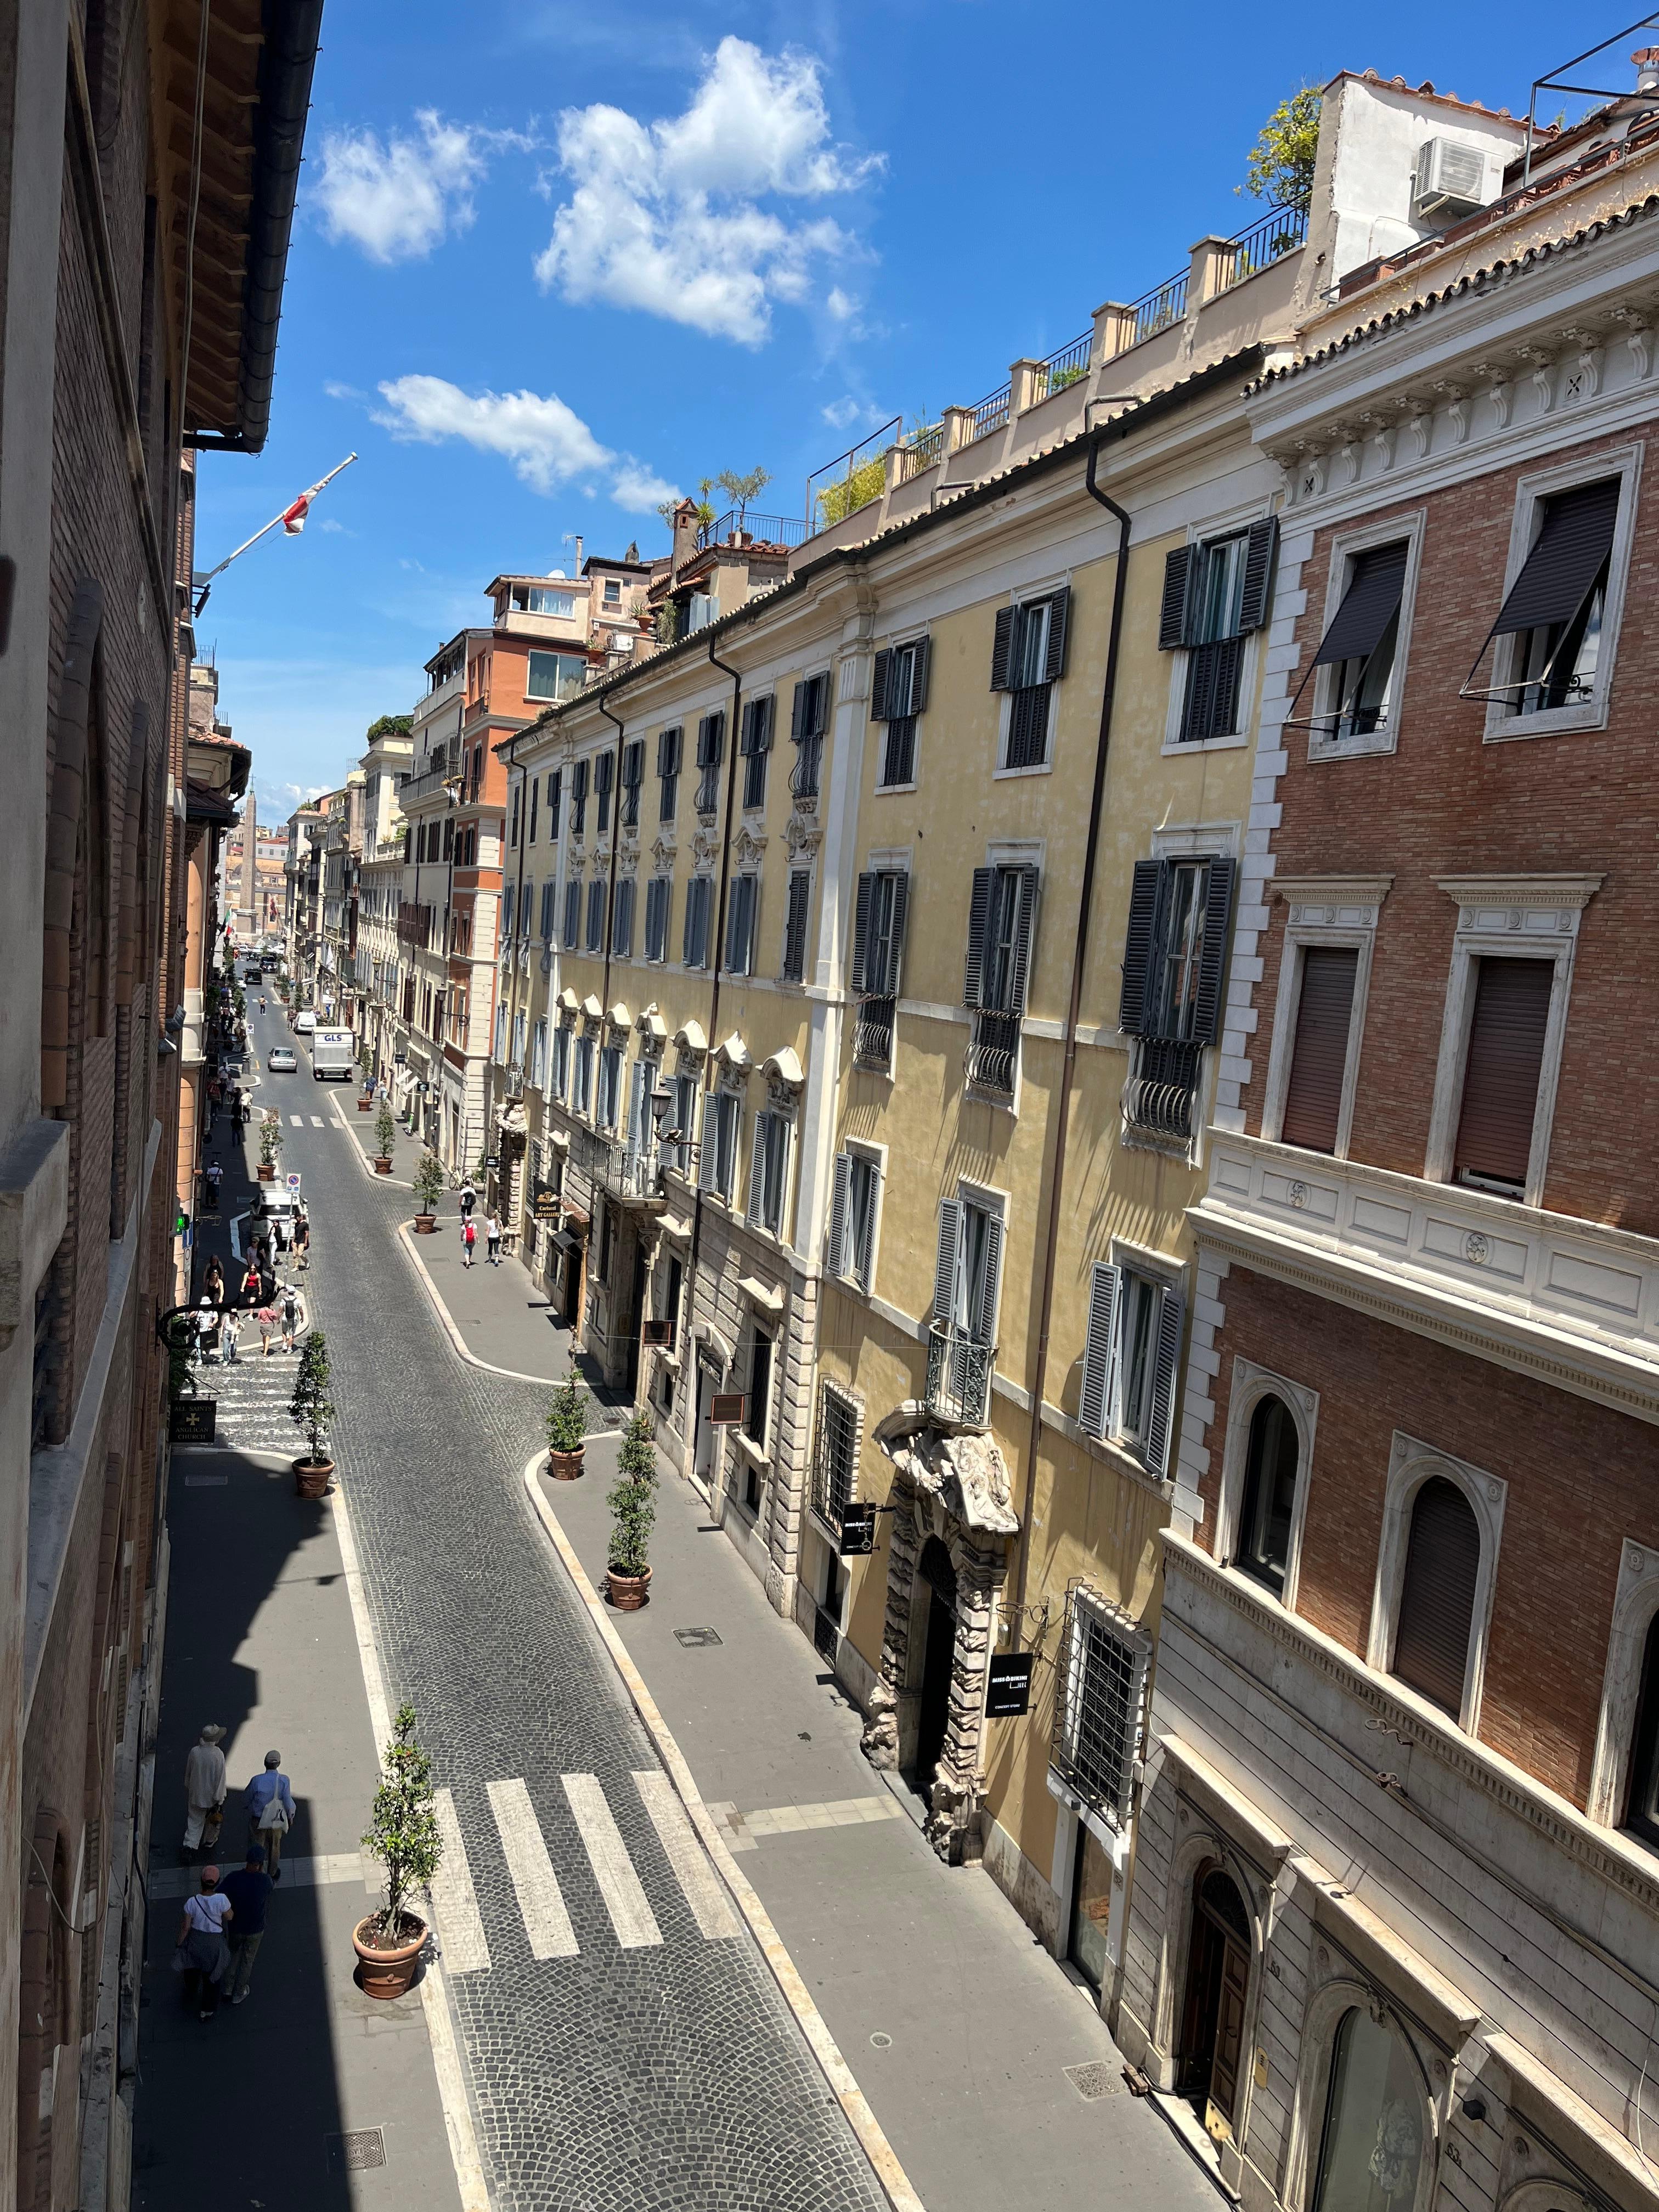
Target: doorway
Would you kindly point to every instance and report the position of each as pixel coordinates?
(937, 1575)
(632, 1322)
(706, 1451)
(1218, 1981)
(1092, 1909)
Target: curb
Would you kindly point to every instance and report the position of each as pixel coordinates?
(890, 2176)
(458, 1344)
(363, 1160)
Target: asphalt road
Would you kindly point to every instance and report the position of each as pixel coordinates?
(626, 2046)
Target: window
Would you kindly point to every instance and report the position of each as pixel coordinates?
(1215, 595)
(512, 830)
(877, 959)
(898, 696)
(555, 675)
(1174, 963)
(1100, 1704)
(1131, 1361)
(836, 1462)
(740, 923)
(711, 751)
(535, 804)
(1642, 1802)
(578, 797)
(1319, 1055)
(1501, 1072)
(757, 744)
(794, 926)
(583, 1092)
(657, 893)
(609, 1098)
(760, 1391)
(622, 925)
(596, 892)
(554, 781)
(519, 1024)
(668, 773)
(500, 1037)
(604, 769)
(768, 1173)
(682, 1135)
(550, 907)
(539, 1055)
(562, 1060)
(633, 775)
(1266, 1505)
(1371, 2150)
(967, 1286)
(1437, 1594)
(699, 900)
(856, 1194)
(573, 915)
(1550, 626)
(537, 599)
(1354, 667)
(720, 1144)
(1001, 917)
(809, 718)
(1028, 657)
(526, 909)
(612, 592)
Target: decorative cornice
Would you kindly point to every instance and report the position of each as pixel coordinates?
(1527, 893)
(1331, 891)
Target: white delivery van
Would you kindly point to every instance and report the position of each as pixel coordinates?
(333, 1053)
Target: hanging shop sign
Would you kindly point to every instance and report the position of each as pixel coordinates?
(858, 1532)
(726, 1410)
(193, 1421)
(545, 1202)
(1008, 1685)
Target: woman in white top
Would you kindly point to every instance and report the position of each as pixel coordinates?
(203, 1953)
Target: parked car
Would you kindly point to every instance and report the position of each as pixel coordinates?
(304, 1022)
(275, 1214)
(282, 1060)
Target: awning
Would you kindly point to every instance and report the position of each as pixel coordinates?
(1562, 567)
(1368, 606)
(564, 1241)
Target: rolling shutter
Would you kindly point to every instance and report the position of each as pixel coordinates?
(1436, 1594)
(1500, 1075)
(921, 662)
(834, 1258)
(1173, 618)
(1258, 573)
(1002, 646)
(867, 892)
(1060, 609)
(1138, 946)
(1319, 1054)
(945, 1264)
(1212, 953)
(1566, 558)
(1097, 1349)
(979, 908)
(1171, 1312)
(985, 1320)
(890, 982)
(1025, 922)
(795, 930)
(880, 680)
(1368, 606)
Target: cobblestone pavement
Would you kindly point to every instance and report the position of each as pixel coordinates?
(625, 2047)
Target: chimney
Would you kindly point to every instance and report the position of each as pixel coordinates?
(1646, 60)
(685, 533)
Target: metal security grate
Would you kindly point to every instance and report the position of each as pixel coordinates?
(1103, 1687)
(834, 1474)
(694, 1639)
(1091, 2081)
(357, 2151)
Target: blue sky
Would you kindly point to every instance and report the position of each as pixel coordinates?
(552, 259)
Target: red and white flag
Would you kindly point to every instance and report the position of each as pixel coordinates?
(293, 518)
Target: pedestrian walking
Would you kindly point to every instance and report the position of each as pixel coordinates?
(249, 1892)
(270, 1810)
(468, 1238)
(469, 1199)
(204, 1792)
(266, 1318)
(213, 1283)
(214, 1177)
(207, 1327)
(203, 1955)
(251, 1284)
(302, 1240)
(248, 1107)
(293, 1315)
(230, 1328)
(493, 1239)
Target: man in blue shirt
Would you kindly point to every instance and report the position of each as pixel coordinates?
(270, 1810)
(249, 1892)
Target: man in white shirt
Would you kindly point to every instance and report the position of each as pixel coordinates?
(204, 1792)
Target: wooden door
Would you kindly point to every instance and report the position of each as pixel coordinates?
(1229, 2028)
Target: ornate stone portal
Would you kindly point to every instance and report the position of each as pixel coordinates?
(953, 1487)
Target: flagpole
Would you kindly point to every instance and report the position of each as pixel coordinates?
(204, 579)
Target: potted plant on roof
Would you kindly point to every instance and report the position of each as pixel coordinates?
(312, 1407)
(429, 1190)
(270, 1145)
(404, 1836)
(566, 1428)
(633, 1502)
(386, 1130)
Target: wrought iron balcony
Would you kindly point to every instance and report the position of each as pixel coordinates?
(959, 1372)
(1160, 1100)
(512, 1080)
(872, 1032)
(993, 1054)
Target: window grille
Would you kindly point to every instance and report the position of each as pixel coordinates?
(835, 1463)
(1100, 1703)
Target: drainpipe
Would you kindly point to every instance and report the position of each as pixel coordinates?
(1062, 1117)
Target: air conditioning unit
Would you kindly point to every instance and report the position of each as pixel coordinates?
(1451, 179)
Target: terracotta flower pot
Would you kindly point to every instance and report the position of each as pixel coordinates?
(363, 1105)
(425, 1224)
(311, 1477)
(267, 1171)
(388, 1969)
(565, 1466)
(382, 1166)
(629, 1592)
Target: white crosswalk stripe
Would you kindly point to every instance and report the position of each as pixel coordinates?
(704, 1890)
(317, 1122)
(298, 1120)
(546, 1922)
(624, 1896)
(454, 1900)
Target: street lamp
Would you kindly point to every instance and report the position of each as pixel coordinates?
(659, 1098)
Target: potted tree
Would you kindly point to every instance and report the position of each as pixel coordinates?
(386, 1130)
(566, 1428)
(633, 1502)
(404, 1836)
(270, 1145)
(429, 1190)
(365, 1092)
(314, 1410)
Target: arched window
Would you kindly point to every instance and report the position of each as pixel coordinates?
(1263, 1547)
(1370, 2153)
(1641, 1806)
(1436, 1594)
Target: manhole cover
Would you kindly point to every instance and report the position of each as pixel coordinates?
(356, 2152)
(880, 2041)
(1091, 2080)
(691, 1637)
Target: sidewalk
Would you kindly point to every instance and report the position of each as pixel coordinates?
(406, 1151)
(310, 2093)
(966, 2036)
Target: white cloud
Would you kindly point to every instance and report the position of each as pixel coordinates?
(546, 443)
(399, 198)
(638, 490)
(335, 529)
(842, 414)
(666, 216)
(839, 305)
(338, 391)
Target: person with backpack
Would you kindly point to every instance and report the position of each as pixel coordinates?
(493, 1239)
(469, 1239)
(469, 1199)
(293, 1316)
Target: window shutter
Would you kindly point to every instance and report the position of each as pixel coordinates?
(944, 1265)
(1172, 621)
(879, 679)
(1258, 573)
(1565, 560)
(841, 1195)
(687, 926)
(794, 933)
(985, 1320)
(1213, 956)
(799, 710)
(1024, 922)
(708, 1165)
(864, 1258)
(740, 924)
(861, 929)
(1436, 1594)
(1097, 1348)
(895, 938)
(1172, 1311)
(623, 926)
(1500, 1076)
(573, 915)
(979, 908)
(1369, 604)
(1060, 609)
(757, 1171)
(550, 893)
(668, 742)
(1002, 647)
(765, 709)
(921, 664)
(1319, 1054)
(604, 769)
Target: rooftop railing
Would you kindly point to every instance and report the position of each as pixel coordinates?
(852, 480)
(1278, 233)
(763, 529)
(1069, 365)
(991, 414)
(921, 452)
(1156, 310)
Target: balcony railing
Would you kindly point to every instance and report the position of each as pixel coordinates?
(512, 1080)
(1160, 1100)
(991, 414)
(872, 1032)
(1156, 310)
(993, 1054)
(852, 480)
(959, 1372)
(761, 529)
(1070, 365)
(809, 762)
(923, 451)
(1278, 233)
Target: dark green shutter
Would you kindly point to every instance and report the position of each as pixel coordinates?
(1172, 621)
(1138, 947)
(1219, 884)
(895, 933)
(1002, 647)
(1060, 611)
(878, 683)
(979, 909)
(1258, 573)
(1025, 922)
(867, 892)
(920, 666)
